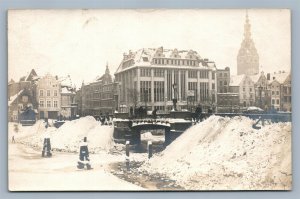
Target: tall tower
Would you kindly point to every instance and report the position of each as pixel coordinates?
(247, 58)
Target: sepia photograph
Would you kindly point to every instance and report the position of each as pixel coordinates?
(149, 100)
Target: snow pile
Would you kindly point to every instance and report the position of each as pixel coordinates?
(223, 153)
(71, 133)
(19, 131)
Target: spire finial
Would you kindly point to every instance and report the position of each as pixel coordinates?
(107, 69)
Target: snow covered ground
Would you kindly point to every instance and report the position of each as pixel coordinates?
(29, 171)
(228, 154)
(217, 154)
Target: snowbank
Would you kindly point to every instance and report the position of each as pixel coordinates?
(71, 133)
(223, 153)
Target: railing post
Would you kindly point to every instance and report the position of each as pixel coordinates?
(149, 149)
(127, 155)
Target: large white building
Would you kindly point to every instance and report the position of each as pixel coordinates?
(153, 77)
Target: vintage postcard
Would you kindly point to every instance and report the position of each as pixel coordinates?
(149, 100)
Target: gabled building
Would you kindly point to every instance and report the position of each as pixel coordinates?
(67, 93)
(262, 91)
(154, 77)
(98, 97)
(49, 97)
(280, 88)
(243, 85)
(21, 95)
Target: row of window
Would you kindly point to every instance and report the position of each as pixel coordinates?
(273, 92)
(47, 93)
(273, 101)
(48, 104)
(146, 72)
(178, 62)
(223, 74)
(244, 89)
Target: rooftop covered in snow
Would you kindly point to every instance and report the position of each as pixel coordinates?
(146, 56)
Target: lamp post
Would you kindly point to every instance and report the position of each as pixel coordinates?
(175, 96)
(260, 92)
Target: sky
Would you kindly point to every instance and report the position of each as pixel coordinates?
(80, 43)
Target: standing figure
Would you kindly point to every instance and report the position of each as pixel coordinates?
(198, 113)
(84, 155)
(154, 113)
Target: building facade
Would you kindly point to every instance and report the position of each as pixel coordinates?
(48, 97)
(247, 58)
(262, 91)
(244, 86)
(99, 97)
(21, 95)
(281, 92)
(223, 76)
(154, 77)
(69, 106)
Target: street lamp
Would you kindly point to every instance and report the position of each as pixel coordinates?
(175, 96)
(260, 93)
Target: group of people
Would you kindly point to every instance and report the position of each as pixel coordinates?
(104, 119)
(198, 116)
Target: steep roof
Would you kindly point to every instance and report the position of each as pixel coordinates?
(235, 80)
(14, 97)
(255, 78)
(11, 82)
(280, 77)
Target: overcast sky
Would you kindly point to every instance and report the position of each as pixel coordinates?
(79, 43)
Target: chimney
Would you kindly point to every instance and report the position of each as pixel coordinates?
(268, 76)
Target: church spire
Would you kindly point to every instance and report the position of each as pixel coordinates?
(247, 27)
(247, 59)
(107, 69)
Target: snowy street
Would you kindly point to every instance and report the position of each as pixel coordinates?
(29, 171)
(219, 153)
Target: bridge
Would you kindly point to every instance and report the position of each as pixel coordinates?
(175, 123)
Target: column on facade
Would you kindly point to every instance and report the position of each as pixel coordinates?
(210, 84)
(179, 86)
(152, 87)
(173, 81)
(198, 87)
(166, 90)
(138, 84)
(186, 82)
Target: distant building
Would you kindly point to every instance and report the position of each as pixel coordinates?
(22, 94)
(223, 76)
(262, 91)
(247, 58)
(281, 91)
(243, 85)
(48, 97)
(227, 101)
(68, 103)
(153, 77)
(98, 97)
